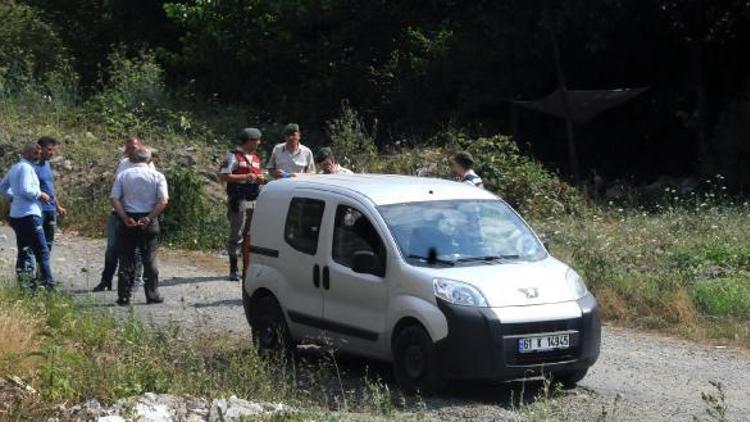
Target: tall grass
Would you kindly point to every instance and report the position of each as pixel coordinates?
(71, 351)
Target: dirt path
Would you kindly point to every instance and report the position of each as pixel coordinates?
(658, 378)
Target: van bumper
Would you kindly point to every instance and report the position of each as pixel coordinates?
(480, 346)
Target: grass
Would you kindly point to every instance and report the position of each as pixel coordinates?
(680, 269)
(71, 352)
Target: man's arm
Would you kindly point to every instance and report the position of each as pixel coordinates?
(228, 166)
(60, 209)
(117, 205)
(28, 188)
(114, 198)
(161, 203)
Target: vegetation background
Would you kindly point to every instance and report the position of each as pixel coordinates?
(397, 86)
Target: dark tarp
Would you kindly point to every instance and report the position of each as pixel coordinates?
(584, 104)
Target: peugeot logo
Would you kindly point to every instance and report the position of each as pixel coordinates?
(530, 292)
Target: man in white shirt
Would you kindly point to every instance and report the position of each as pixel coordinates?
(291, 158)
(328, 164)
(110, 256)
(139, 196)
(463, 169)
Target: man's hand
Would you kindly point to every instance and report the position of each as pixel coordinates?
(44, 197)
(250, 177)
(61, 210)
(130, 222)
(144, 221)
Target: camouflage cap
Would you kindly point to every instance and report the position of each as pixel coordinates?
(323, 153)
(464, 159)
(249, 133)
(290, 128)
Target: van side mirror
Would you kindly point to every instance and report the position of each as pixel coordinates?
(366, 262)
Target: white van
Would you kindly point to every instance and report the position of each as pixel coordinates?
(441, 278)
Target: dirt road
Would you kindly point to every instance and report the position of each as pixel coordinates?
(658, 378)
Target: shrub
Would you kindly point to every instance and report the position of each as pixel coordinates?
(724, 297)
(190, 220)
(29, 48)
(134, 94)
(353, 144)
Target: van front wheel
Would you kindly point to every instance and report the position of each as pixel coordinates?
(415, 361)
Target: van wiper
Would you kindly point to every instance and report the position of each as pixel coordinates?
(488, 258)
(430, 260)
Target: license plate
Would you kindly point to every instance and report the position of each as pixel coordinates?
(543, 343)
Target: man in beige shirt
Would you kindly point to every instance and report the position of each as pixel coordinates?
(291, 158)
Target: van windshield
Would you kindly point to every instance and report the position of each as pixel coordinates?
(461, 232)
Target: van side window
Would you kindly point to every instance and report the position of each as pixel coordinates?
(303, 224)
(352, 233)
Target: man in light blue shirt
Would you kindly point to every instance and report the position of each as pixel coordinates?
(21, 185)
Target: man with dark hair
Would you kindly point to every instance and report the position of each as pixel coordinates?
(328, 164)
(53, 207)
(290, 158)
(139, 196)
(21, 186)
(110, 255)
(241, 171)
(463, 169)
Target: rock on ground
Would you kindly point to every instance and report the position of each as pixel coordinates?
(151, 407)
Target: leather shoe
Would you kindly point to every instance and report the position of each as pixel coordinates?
(123, 302)
(155, 300)
(102, 287)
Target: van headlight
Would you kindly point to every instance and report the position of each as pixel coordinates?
(576, 284)
(457, 292)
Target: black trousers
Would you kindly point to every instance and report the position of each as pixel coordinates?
(147, 240)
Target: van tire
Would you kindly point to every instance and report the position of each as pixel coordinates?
(569, 379)
(268, 325)
(415, 361)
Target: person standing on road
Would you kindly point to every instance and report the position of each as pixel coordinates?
(463, 169)
(328, 164)
(21, 186)
(53, 208)
(139, 196)
(291, 158)
(241, 171)
(110, 255)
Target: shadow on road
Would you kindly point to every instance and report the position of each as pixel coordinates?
(174, 281)
(225, 302)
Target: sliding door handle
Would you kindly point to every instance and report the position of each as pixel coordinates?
(326, 278)
(316, 276)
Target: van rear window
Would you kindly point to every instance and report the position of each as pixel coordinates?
(303, 224)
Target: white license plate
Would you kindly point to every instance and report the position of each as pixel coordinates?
(543, 343)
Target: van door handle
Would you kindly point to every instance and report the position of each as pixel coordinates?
(326, 278)
(316, 276)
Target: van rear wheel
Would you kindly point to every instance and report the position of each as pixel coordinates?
(269, 328)
(415, 361)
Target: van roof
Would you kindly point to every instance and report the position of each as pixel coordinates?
(385, 189)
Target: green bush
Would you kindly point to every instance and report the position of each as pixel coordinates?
(352, 143)
(190, 220)
(29, 48)
(724, 297)
(135, 95)
(522, 181)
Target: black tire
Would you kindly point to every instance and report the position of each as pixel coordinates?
(415, 362)
(269, 328)
(569, 379)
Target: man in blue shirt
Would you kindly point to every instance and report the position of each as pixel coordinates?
(21, 186)
(51, 209)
